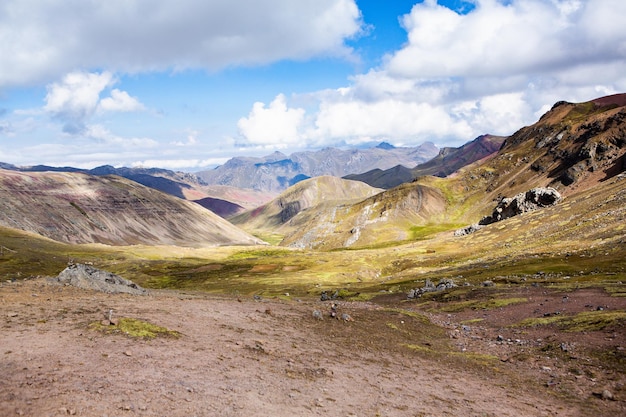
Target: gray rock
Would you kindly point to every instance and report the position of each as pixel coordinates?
(522, 203)
(318, 315)
(346, 317)
(442, 285)
(467, 230)
(87, 277)
(509, 207)
(605, 395)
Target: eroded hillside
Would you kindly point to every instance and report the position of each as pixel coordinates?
(80, 208)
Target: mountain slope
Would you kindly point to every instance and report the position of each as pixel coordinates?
(388, 216)
(277, 172)
(80, 208)
(315, 194)
(445, 163)
(573, 147)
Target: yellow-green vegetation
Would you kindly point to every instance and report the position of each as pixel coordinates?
(472, 321)
(418, 348)
(582, 322)
(392, 326)
(479, 304)
(481, 358)
(259, 253)
(616, 290)
(426, 231)
(272, 238)
(135, 328)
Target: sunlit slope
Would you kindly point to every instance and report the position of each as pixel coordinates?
(281, 215)
(573, 147)
(80, 208)
(394, 215)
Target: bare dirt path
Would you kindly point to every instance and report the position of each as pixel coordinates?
(241, 357)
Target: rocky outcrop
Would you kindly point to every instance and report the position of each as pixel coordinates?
(531, 200)
(429, 286)
(522, 203)
(90, 278)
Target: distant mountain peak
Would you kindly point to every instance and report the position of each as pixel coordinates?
(385, 146)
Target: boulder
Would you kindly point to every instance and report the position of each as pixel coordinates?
(87, 277)
(522, 203)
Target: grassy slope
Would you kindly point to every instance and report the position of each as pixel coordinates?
(582, 238)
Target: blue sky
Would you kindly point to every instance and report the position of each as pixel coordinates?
(187, 84)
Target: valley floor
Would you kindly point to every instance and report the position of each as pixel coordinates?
(260, 357)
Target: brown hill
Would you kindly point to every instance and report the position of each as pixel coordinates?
(394, 215)
(80, 208)
(319, 194)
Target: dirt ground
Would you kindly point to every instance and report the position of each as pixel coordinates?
(261, 357)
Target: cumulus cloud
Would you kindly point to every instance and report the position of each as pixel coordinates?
(42, 40)
(274, 125)
(461, 74)
(76, 98)
(120, 101)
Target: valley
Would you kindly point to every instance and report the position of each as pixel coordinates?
(524, 316)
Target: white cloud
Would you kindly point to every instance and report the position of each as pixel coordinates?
(357, 121)
(179, 164)
(120, 101)
(274, 125)
(516, 37)
(101, 134)
(76, 98)
(41, 40)
(492, 70)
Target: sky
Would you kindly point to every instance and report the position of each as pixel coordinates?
(188, 84)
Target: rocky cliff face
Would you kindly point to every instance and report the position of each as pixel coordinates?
(79, 208)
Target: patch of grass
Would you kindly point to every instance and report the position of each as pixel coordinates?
(480, 305)
(472, 321)
(259, 253)
(582, 322)
(426, 231)
(418, 348)
(272, 238)
(392, 326)
(616, 291)
(137, 329)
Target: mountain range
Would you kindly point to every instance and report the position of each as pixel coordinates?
(445, 163)
(276, 172)
(576, 148)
